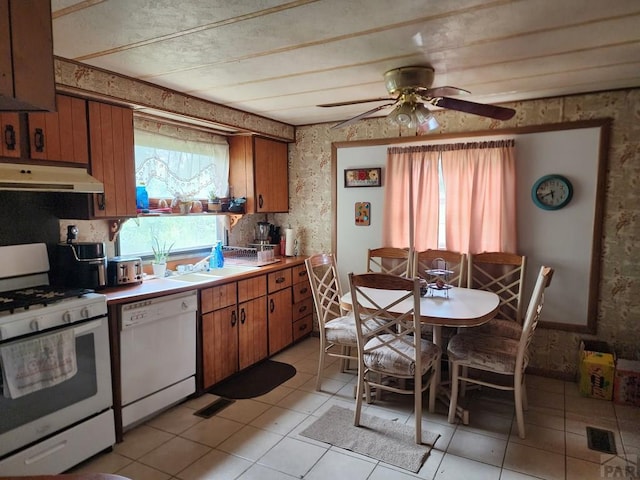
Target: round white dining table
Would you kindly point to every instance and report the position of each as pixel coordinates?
(456, 307)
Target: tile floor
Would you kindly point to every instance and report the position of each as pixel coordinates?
(259, 438)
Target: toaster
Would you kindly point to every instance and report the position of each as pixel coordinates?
(124, 271)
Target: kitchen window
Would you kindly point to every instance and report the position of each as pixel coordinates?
(176, 163)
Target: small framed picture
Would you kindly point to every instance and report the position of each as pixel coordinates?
(362, 177)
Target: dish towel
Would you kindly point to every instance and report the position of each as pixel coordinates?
(42, 362)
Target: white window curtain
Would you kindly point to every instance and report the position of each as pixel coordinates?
(171, 167)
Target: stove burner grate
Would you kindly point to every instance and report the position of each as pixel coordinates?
(43, 295)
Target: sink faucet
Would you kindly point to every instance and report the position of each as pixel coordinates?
(202, 264)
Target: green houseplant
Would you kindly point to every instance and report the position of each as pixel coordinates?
(160, 256)
(214, 202)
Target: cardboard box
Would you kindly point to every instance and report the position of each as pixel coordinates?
(596, 369)
(626, 385)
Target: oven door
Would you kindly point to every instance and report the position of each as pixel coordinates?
(37, 415)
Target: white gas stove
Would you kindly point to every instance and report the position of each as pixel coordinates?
(55, 390)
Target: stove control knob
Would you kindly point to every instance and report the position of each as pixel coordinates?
(85, 313)
(66, 317)
(33, 325)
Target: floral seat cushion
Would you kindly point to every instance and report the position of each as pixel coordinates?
(484, 351)
(342, 330)
(391, 355)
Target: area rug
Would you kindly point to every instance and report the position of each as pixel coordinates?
(385, 440)
(255, 381)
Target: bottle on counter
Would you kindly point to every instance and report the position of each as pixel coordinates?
(218, 256)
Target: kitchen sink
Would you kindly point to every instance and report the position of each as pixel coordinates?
(214, 274)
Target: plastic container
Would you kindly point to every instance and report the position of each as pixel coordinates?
(142, 197)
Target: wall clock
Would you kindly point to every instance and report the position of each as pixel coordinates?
(552, 192)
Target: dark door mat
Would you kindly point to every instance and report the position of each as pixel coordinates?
(601, 440)
(254, 381)
(213, 408)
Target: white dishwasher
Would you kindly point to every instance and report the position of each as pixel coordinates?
(157, 354)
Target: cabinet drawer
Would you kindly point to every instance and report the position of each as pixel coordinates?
(300, 309)
(217, 297)
(252, 288)
(279, 280)
(299, 274)
(302, 327)
(301, 291)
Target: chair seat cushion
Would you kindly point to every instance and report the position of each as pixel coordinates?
(501, 328)
(484, 351)
(386, 354)
(342, 330)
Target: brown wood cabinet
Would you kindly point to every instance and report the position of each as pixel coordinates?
(259, 171)
(112, 159)
(302, 303)
(60, 136)
(27, 81)
(13, 142)
(279, 310)
(234, 328)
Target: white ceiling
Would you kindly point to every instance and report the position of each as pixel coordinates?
(281, 58)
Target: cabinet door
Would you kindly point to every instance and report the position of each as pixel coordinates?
(271, 174)
(279, 314)
(60, 136)
(27, 81)
(252, 331)
(112, 160)
(219, 345)
(214, 298)
(11, 135)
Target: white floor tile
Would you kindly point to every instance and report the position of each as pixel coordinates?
(279, 420)
(453, 467)
(250, 443)
(334, 465)
(213, 431)
(214, 465)
(481, 448)
(533, 461)
(292, 457)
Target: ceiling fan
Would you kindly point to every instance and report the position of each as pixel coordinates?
(412, 89)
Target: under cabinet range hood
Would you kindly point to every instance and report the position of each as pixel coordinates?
(41, 178)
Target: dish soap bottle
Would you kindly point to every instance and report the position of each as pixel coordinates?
(217, 257)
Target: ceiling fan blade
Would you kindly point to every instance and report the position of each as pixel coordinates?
(353, 102)
(362, 115)
(491, 111)
(442, 91)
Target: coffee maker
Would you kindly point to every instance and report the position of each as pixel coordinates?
(80, 264)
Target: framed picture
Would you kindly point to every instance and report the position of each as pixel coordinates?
(362, 177)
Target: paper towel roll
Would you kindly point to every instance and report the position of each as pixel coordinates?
(289, 242)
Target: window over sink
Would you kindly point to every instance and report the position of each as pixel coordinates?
(176, 163)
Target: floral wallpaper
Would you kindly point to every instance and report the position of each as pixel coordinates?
(310, 199)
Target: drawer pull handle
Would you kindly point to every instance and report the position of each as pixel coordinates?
(10, 137)
(260, 201)
(302, 273)
(234, 319)
(302, 327)
(303, 290)
(38, 140)
(280, 279)
(302, 309)
(243, 316)
(272, 305)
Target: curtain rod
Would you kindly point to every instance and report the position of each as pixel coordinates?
(453, 146)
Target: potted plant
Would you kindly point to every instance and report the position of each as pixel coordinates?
(160, 256)
(214, 202)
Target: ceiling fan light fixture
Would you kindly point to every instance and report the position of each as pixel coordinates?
(424, 118)
(403, 115)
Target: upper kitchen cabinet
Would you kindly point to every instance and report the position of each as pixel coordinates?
(27, 81)
(60, 136)
(259, 171)
(112, 160)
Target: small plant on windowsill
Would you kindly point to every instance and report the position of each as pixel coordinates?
(214, 202)
(160, 256)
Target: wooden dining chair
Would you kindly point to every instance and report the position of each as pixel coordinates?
(391, 260)
(505, 357)
(503, 274)
(337, 325)
(389, 344)
(431, 259)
